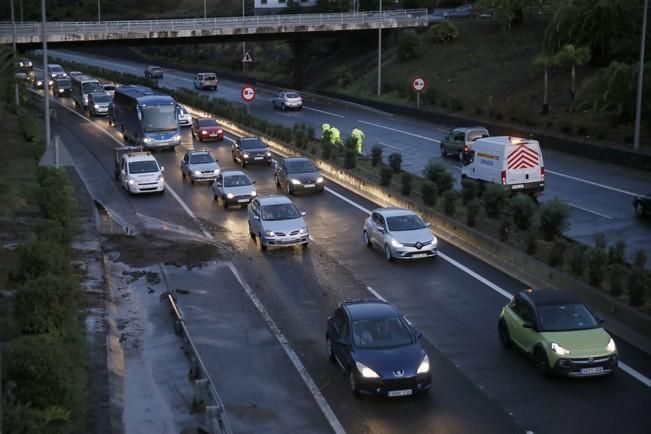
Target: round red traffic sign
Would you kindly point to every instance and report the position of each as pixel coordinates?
(248, 93)
(418, 84)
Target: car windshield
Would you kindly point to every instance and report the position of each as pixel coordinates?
(201, 159)
(210, 77)
(56, 69)
(101, 98)
(237, 181)
(155, 69)
(292, 95)
(63, 83)
(148, 166)
(300, 166)
(477, 134)
(91, 86)
(407, 222)
(252, 144)
(382, 333)
(563, 317)
(208, 123)
(108, 87)
(159, 118)
(280, 211)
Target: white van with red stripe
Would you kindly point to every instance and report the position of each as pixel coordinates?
(511, 161)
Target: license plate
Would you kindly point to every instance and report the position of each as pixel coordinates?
(594, 370)
(285, 240)
(517, 186)
(309, 185)
(213, 134)
(405, 392)
(242, 200)
(258, 158)
(419, 255)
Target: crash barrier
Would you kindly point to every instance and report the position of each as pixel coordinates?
(206, 397)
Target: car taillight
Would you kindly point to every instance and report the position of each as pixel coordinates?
(503, 176)
(542, 173)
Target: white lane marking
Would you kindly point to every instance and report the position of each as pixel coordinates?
(185, 207)
(596, 184)
(324, 112)
(589, 210)
(375, 293)
(293, 357)
(389, 146)
(626, 368)
(400, 131)
(178, 77)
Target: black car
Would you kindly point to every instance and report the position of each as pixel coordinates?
(251, 150)
(61, 87)
(378, 349)
(298, 174)
(642, 205)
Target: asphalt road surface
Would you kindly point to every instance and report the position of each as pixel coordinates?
(599, 194)
(251, 310)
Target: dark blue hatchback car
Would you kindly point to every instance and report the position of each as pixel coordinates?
(378, 349)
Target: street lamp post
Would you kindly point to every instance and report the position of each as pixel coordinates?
(243, 42)
(46, 78)
(99, 10)
(640, 81)
(205, 10)
(13, 37)
(379, 54)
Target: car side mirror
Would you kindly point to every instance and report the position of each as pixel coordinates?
(303, 213)
(123, 172)
(600, 319)
(528, 325)
(162, 169)
(254, 182)
(417, 332)
(255, 217)
(428, 225)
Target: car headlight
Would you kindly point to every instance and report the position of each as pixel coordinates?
(204, 132)
(611, 347)
(253, 193)
(60, 90)
(230, 195)
(561, 351)
(85, 99)
(245, 155)
(50, 83)
(396, 243)
(424, 366)
(39, 83)
(177, 137)
(147, 140)
(366, 371)
(319, 180)
(196, 172)
(295, 181)
(216, 171)
(269, 233)
(160, 176)
(131, 181)
(268, 154)
(96, 106)
(302, 231)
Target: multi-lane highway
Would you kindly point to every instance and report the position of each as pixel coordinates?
(259, 317)
(599, 194)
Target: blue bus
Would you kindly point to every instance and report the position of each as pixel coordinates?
(145, 118)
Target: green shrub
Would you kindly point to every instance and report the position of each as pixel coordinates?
(557, 252)
(617, 253)
(639, 258)
(579, 260)
(52, 230)
(436, 172)
(469, 190)
(532, 241)
(522, 210)
(600, 241)
(327, 150)
(38, 258)
(472, 209)
(406, 183)
(566, 125)
(597, 260)
(55, 196)
(450, 202)
(45, 304)
(505, 229)
(376, 155)
(395, 161)
(554, 218)
(616, 273)
(638, 285)
(350, 159)
(409, 46)
(444, 31)
(430, 193)
(494, 197)
(385, 176)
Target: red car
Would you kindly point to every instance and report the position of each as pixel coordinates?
(206, 129)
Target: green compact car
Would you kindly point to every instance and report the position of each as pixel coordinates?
(561, 334)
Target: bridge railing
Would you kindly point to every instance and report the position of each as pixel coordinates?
(199, 24)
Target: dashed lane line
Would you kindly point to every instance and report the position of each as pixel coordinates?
(324, 112)
(589, 211)
(596, 184)
(400, 131)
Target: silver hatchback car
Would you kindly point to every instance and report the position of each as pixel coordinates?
(400, 233)
(275, 221)
(199, 166)
(233, 187)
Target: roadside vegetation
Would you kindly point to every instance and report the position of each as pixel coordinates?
(512, 219)
(42, 333)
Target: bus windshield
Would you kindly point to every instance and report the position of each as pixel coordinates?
(91, 86)
(159, 118)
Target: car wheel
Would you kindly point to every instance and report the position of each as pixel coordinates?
(542, 363)
(224, 202)
(277, 181)
(366, 239)
(191, 180)
(288, 188)
(305, 245)
(183, 175)
(215, 197)
(443, 151)
(387, 253)
(243, 161)
(505, 337)
(263, 246)
(282, 106)
(639, 209)
(331, 355)
(234, 159)
(352, 381)
(461, 155)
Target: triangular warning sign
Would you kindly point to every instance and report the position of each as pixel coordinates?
(247, 58)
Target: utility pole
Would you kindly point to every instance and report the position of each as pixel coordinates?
(46, 77)
(243, 42)
(640, 81)
(13, 35)
(379, 54)
(99, 10)
(205, 10)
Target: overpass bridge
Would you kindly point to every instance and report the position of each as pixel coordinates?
(288, 26)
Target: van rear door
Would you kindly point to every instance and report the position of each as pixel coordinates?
(523, 163)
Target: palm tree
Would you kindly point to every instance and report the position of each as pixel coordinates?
(574, 56)
(545, 60)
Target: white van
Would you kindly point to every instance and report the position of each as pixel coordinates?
(514, 162)
(82, 85)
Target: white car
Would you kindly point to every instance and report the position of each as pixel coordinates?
(400, 233)
(185, 118)
(140, 173)
(287, 100)
(205, 80)
(109, 88)
(234, 187)
(275, 221)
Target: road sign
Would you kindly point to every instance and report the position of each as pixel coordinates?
(248, 93)
(247, 58)
(418, 84)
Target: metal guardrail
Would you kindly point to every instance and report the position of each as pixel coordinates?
(206, 396)
(210, 24)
